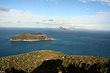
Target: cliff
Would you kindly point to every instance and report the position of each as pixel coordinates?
(30, 37)
(47, 61)
(61, 28)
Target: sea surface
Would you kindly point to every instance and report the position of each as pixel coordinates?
(93, 43)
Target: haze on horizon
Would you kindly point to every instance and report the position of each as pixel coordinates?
(86, 14)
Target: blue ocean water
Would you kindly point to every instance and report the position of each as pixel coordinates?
(96, 43)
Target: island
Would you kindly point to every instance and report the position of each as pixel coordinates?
(30, 37)
(61, 28)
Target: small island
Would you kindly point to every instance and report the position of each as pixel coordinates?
(30, 37)
(61, 28)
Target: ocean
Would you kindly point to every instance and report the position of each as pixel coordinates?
(73, 42)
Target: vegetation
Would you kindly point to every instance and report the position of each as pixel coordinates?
(47, 61)
(26, 36)
(41, 34)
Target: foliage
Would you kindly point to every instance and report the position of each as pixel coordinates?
(104, 70)
(26, 36)
(28, 61)
(54, 61)
(39, 34)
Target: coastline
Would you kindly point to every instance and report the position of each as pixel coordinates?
(32, 39)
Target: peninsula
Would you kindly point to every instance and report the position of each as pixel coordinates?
(30, 37)
(48, 61)
(61, 28)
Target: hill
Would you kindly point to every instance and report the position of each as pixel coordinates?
(30, 37)
(47, 61)
(61, 28)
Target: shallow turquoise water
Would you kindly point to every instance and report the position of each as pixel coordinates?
(96, 43)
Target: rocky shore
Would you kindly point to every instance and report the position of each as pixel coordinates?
(32, 39)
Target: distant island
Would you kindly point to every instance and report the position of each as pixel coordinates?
(82, 29)
(30, 37)
(48, 61)
(61, 28)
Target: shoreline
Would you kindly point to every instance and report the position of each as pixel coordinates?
(32, 39)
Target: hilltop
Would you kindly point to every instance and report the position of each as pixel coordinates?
(30, 37)
(61, 28)
(48, 61)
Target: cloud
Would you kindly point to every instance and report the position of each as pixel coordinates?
(19, 18)
(37, 22)
(1, 19)
(50, 0)
(83, 1)
(19, 22)
(102, 1)
(50, 20)
(43, 20)
(25, 18)
(83, 26)
(96, 0)
(4, 9)
(87, 9)
(53, 1)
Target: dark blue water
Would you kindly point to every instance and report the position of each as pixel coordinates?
(96, 43)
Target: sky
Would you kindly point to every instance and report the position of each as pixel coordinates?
(86, 14)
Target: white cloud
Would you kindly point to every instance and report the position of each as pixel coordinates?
(83, 1)
(102, 1)
(87, 9)
(82, 25)
(50, 0)
(19, 18)
(54, 1)
(50, 20)
(15, 16)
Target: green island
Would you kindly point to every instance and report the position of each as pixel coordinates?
(48, 61)
(30, 37)
(61, 28)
